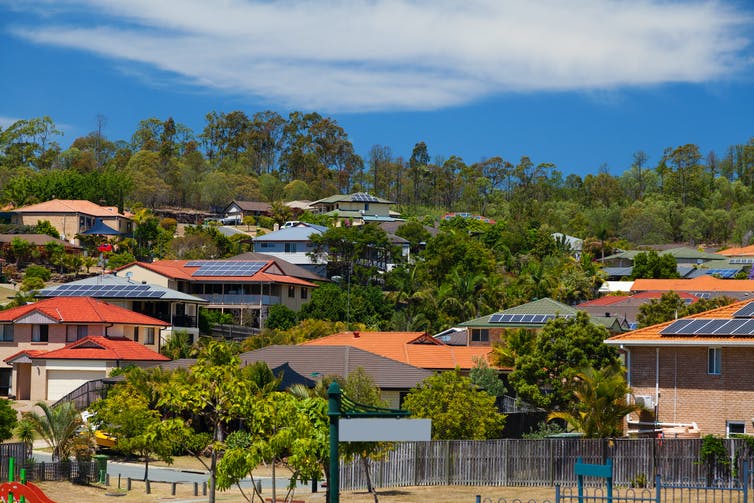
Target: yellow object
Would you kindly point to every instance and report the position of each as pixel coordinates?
(103, 439)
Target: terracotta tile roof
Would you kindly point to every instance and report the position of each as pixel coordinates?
(698, 284)
(412, 348)
(103, 348)
(177, 269)
(746, 251)
(71, 206)
(652, 336)
(31, 353)
(80, 310)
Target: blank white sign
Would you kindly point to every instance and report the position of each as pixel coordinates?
(375, 429)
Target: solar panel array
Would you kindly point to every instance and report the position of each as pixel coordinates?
(524, 319)
(225, 267)
(745, 312)
(103, 291)
(723, 273)
(363, 197)
(738, 326)
(741, 261)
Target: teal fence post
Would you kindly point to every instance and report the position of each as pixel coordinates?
(333, 411)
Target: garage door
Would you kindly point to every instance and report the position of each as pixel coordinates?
(62, 382)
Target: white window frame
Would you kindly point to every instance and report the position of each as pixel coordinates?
(6, 333)
(36, 333)
(728, 424)
(715, 361)
(150, 335)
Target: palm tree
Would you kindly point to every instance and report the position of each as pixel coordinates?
(57, 426)
(601, 402)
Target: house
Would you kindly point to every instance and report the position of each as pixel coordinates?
(702, 286)
(39, 241)
(683, 256)
(180, 311)
(357, 208)
(246, 288)
(292, 244)
(694, 371)
(237, 210)
(417, 349)
(625, 307)
(72, 217)
(488, 329)
(304, 363)
(51, 374)
(52, 323)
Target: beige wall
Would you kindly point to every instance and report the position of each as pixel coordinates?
(140, 274)
(689, 394)
(68, 224)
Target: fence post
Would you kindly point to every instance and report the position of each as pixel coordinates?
(557, 493)
(128, 484)
(746, 480)
(148, 486)
(172, 489)
(204, 489)
(658, 488)
(196, 488)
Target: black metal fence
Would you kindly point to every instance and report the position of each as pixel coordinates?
(81, 472)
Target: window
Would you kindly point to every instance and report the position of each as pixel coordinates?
(39, 333)
(76, 332)
(150, 336)
(304, 293)
(480, 335)
(735, 428)
(291, 291)
(6, 333)
(290, 247)
(136, 334)
(714, 361)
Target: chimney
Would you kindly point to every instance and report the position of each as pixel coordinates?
(356, 335)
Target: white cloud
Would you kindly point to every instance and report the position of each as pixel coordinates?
(6, 122)
(360, 55)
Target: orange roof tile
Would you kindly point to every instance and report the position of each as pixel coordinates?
(407, 347)
(177, 269)
(747, 251)
(80, 310)
(103, 348)
(700, 283)
(652, 336)
(71, 206)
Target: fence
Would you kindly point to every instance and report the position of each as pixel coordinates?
(84, 472)
(547, 462)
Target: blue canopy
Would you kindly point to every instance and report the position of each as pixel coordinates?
(100, 229)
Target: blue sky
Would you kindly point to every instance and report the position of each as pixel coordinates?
(581, 84)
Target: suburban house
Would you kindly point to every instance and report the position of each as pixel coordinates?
(486, 330)
(357, 208)
(52, 374)
(693, 373)
(246, 288)
(72, 217)
(306, 364)
(690, 263)
(236, 210)
(180, 311)
(702, 286)
(417, 349)
(292, 244)
(625, 307)
(38, 241)
(52, 323)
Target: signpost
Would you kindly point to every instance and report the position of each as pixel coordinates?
(365, 423)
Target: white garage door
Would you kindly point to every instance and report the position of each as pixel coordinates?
(62, 382)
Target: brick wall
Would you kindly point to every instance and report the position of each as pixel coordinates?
(689, 394)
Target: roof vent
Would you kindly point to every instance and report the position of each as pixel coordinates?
(356, 335)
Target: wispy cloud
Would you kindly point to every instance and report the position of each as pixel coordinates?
(362, 55)
(5, 122)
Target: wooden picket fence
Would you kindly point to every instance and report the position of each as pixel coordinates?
(546, 462)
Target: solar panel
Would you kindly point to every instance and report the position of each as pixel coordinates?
(746, 327)
(741, 261)
(363, 197)
(226, 268)
(495, 318)
(745, 312)
(712, 326)
(675, 327)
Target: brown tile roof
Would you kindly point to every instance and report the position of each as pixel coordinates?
(746, 251)
(81, 310)
(71, 206)
(177, 269)
(314, 361)
(253, 205)
(651, 335)
(698, 284)
(412, 348)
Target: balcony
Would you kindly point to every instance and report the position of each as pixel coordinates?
(239, 300)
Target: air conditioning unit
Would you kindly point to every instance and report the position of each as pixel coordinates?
(646, 401)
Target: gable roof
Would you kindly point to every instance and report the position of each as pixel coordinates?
(80, 310)
(98, 348)
(250, 206)
(185, 269)
(413, 348)
(286, 267)
(314, 362)
(653, 336)
(71, 206)
(545, 306)
(699, 284)
(300, 232)
(745, 251)
(356, 197)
